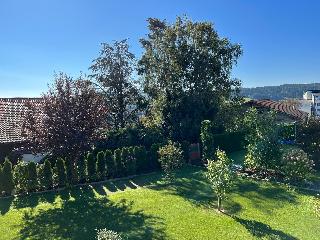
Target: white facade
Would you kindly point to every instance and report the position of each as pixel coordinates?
(315, 104)
(307, 95)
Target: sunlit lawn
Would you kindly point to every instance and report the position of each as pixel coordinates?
(147, 208)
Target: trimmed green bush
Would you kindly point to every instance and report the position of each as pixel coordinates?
(118, 161)
(45, 175)
(125, 155)
(153, 157)
(110, 164)
(82, 171)
(20, 175)
(131, 162)
(1, 180)
(140, 155)
(60, 173)
(101, 165)
(72, 173)
(91, 167)
(230, 142)
(32, 177)
(7, 184)
(170, 157)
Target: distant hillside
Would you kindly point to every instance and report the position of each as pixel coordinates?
(278, 92)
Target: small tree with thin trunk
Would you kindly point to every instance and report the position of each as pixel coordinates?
(220, 175)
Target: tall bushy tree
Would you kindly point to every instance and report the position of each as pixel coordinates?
(125, 155)
(101, 165)
(110, 164)
(91, 167)
(220, 175)
(7, 183)
(72, 172)
(112, 72)
(131, 162)
(60, 173)
(32, 177)
(186, 70)
(68, 119)
(20, 174)
(45, 175)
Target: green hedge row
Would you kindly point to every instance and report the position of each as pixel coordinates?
(122, 162)
(230, 142)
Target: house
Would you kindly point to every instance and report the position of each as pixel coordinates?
(285, 112)
(12, 113)
(308, 94)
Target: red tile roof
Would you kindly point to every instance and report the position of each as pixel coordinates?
(12, 112)
(288, 109)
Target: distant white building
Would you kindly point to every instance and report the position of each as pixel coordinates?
(308, 94)
(315, 104)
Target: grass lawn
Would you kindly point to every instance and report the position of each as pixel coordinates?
(147, 208)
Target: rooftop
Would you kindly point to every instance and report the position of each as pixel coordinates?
(12, 112)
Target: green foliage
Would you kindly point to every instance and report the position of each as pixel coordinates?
(112, 71)
(120, 168)
(32, 177)
(91, 167)
(230, 141)
(220, 175)
(263, 155)
(308, 138)
(186, 70)
(207, 139)
(131, 162)
(60, 174)
(45, 175)
(72, 172)
(21, 177)
(104, 234)
(101, 165)
(7, 177)
(170, 158)
(110, 164)
(153, 157)
(287, 132)
(140, 154)
(82, 171)
(296, 165)
(185, 145)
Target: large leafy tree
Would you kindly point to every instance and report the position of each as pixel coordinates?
(69, 119)
(186, 70)
(113, 71)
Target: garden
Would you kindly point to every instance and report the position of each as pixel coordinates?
(176, 155)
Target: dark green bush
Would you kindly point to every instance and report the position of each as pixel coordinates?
(20, 174)
(72, 172)
(125, 155)
(45, 175)
(153, 157)
(60, 174)
(207, 139)
(140, 155)
(287, 132)
(32, 177)
(120, 169)
(7, 183)
(82, 173)
(131, 162)
(101, 165)
(91, 167)
(185, 145)
(110, 164)
(229, 142)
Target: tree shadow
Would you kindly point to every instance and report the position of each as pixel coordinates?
(79, 216)
(5, 204)
(261, 230)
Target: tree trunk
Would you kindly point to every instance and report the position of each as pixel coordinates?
(219, 203)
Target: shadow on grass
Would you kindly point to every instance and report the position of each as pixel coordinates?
(261, 230)
(81, 213)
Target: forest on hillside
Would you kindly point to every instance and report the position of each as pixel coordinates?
(278, 92)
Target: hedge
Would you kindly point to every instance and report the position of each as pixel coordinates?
(230, 142)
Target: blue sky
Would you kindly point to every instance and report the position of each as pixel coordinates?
(280, 39)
